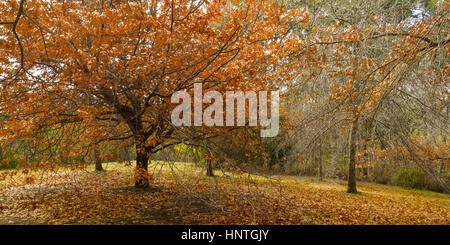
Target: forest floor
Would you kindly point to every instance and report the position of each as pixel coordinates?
(181, 194)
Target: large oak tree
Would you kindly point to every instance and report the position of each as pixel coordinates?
(79, 73)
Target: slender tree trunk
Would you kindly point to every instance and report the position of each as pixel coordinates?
(442, 167)
(366, 159)
(367, 139)
(334, 156)
(128, 156)
(351, 188)
(141, 172)
(444, 140)
(209, 168)
(319, 160)
(98, 161)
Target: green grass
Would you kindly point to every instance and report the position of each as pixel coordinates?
(427, 192)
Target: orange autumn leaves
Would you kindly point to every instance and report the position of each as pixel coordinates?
(94, 198)
(97, 71)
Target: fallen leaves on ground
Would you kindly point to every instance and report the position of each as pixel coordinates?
(85, 197)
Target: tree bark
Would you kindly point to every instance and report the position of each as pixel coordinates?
(369, 129)
(209, 168)
(319, 160)
(351, 188)
(128, 156)
(334, 149)
(98, 161)
(442, 167)
(141, 172)
(366, 160)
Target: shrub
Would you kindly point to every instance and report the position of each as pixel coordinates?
(276, 168)
(342, 169)
(410, 178)
(380, 174)
(8, 160)
(292, 168)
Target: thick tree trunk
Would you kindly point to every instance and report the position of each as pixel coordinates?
(351, 188)
(141, 172)
(98, 161)
(98, 164)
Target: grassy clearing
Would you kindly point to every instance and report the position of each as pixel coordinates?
(186, 196)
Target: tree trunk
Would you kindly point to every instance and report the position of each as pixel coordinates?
(209, 168)
(368, 131)
(366, 160)
(351, 188)
(334, 156)
(442, 167)
(98, 161)
(141, 172)
(128, 156)
(319, 160)
(365, 173)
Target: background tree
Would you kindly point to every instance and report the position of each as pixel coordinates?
(359, 57)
